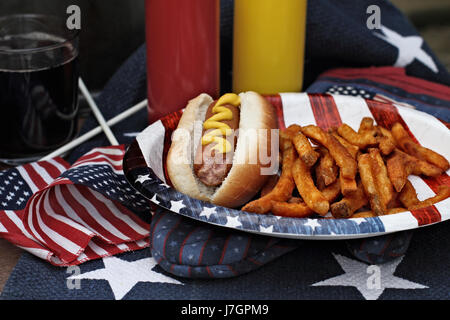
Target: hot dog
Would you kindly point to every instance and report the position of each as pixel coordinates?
(209, 161)
(210, 165)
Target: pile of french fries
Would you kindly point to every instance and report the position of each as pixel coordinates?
(348, 174)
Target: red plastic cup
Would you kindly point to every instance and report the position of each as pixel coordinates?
(183, 53)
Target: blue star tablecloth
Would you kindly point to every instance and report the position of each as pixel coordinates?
(276, 268)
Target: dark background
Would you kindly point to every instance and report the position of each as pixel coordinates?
(113, 29)
(110, 31)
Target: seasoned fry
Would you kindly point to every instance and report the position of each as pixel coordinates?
(305, 150)
(294, 210)
(443, 193)
(313, 198)
(351, 148)
(339, 153)
(342, 172)
(366, 125)
(295, 207)
(370, 214)
(408, 195)
(362, 140)
(400, 165)
(421, 167)
(386, 142)
(369, 185)
(349, 204)
(332, 191)
(326, 170)
(409, 146)
(348, 186)
(293, 129)
(383, 183)
(398, 169)
(301, 144)
(284, 187)
(296, 200)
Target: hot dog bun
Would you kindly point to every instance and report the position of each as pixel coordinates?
(245, 178)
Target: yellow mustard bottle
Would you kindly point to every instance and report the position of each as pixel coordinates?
(268, 48)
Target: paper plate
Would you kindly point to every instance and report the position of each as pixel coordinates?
(145, 169)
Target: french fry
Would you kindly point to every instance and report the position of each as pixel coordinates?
(421, 167)
(400, 165)
(362, 140)
(443, 193)
(293, 129)
(313, 198)
(349, 204)
(332, 191)
(302, 145)
(293, 210)
(383, 183)
(348, 186)
(409, 146)
(341, 156)
(369, 185)
(351, 148)
(366, 125)
(296, 200)
(295, 207)
(326, 170)
(398, 168)
(386, 142)
(364, 171)
(371, 214)
(305, 150)
(284, 187)
(408, 195)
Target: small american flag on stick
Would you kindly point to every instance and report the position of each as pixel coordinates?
(69, 214)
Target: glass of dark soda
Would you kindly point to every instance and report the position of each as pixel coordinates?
(39, 72)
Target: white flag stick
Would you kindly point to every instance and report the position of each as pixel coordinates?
(88, 135)
(97, 113)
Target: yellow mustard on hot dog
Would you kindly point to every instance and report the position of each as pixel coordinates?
(221, 113)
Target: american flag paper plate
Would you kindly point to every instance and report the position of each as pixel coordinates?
(144, 167)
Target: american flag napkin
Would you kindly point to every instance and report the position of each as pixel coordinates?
(69, 214)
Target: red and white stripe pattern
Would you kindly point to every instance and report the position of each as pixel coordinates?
(66, 223)
(331, 110)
